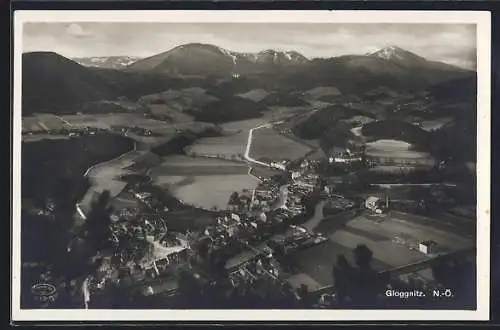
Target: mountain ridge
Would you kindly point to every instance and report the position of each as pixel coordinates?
(106, 62)
(52, 82)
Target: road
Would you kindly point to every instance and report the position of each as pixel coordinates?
(64, 121)
(249, 143)
(88, 173)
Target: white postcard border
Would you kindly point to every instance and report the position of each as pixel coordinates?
(483, 22)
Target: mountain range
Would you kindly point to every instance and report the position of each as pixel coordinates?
(197, 58)
(54, 83)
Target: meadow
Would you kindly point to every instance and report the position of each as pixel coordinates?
(202, 182)
(233, 143)
(206, 191)
(401, 151)
(269, 144)
(393, 239)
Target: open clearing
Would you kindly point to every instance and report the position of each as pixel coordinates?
(106, 176)
(170, 112)
(255, 95)
(202, 182)
(269, 144)
(393, 238)
(183, 165)
(181, 99)
(233, 143)
(396, 149)
(206, 191)
(235, 138)
(322, 91)
(431, 125)
(163, 131)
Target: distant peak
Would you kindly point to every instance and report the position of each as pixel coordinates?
(288, 54)
(390, 52)
(278, 51)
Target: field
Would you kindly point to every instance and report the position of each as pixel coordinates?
(400, 151)
(181, 99)
(183, 165)
(166, 110)
(269, 144)
(358, 119)
(202, 182)
(393, 239)
(105, 176)
(255, 95)
(431, 125)
(322, 91)
(207, 191)
(233, 143)
(124, 200)
(43, 122)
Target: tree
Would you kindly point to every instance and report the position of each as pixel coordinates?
(363, 256)
(234, 198)
(66, 251)
(342, 272)
(98, 223)
(366, 282)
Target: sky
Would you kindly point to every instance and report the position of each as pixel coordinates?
(450, 43)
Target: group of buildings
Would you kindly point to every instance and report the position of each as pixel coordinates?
(252, 265)
(295, 196)
(265, 196)
(134, 129)
(345, 156)
(73, 131)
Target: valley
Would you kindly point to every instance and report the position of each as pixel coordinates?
(214, 153)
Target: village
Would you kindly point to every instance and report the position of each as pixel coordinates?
(255, 245)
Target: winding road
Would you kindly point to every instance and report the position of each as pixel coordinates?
(89, 174)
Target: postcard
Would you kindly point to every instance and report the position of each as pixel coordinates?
(251, 165)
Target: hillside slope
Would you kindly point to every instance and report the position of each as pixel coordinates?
(55, 84)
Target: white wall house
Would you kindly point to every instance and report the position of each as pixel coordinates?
(427, 247)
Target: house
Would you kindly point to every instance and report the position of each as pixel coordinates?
(329, 189)
(427, 247)
(375, 204)
(279, 166)
(344, 159)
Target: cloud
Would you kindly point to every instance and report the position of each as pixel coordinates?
(76, 30)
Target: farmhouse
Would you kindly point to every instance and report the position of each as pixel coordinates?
(344, 157)
(427, 247)
(281, 165)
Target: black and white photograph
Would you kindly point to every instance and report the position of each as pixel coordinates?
(242, 165)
